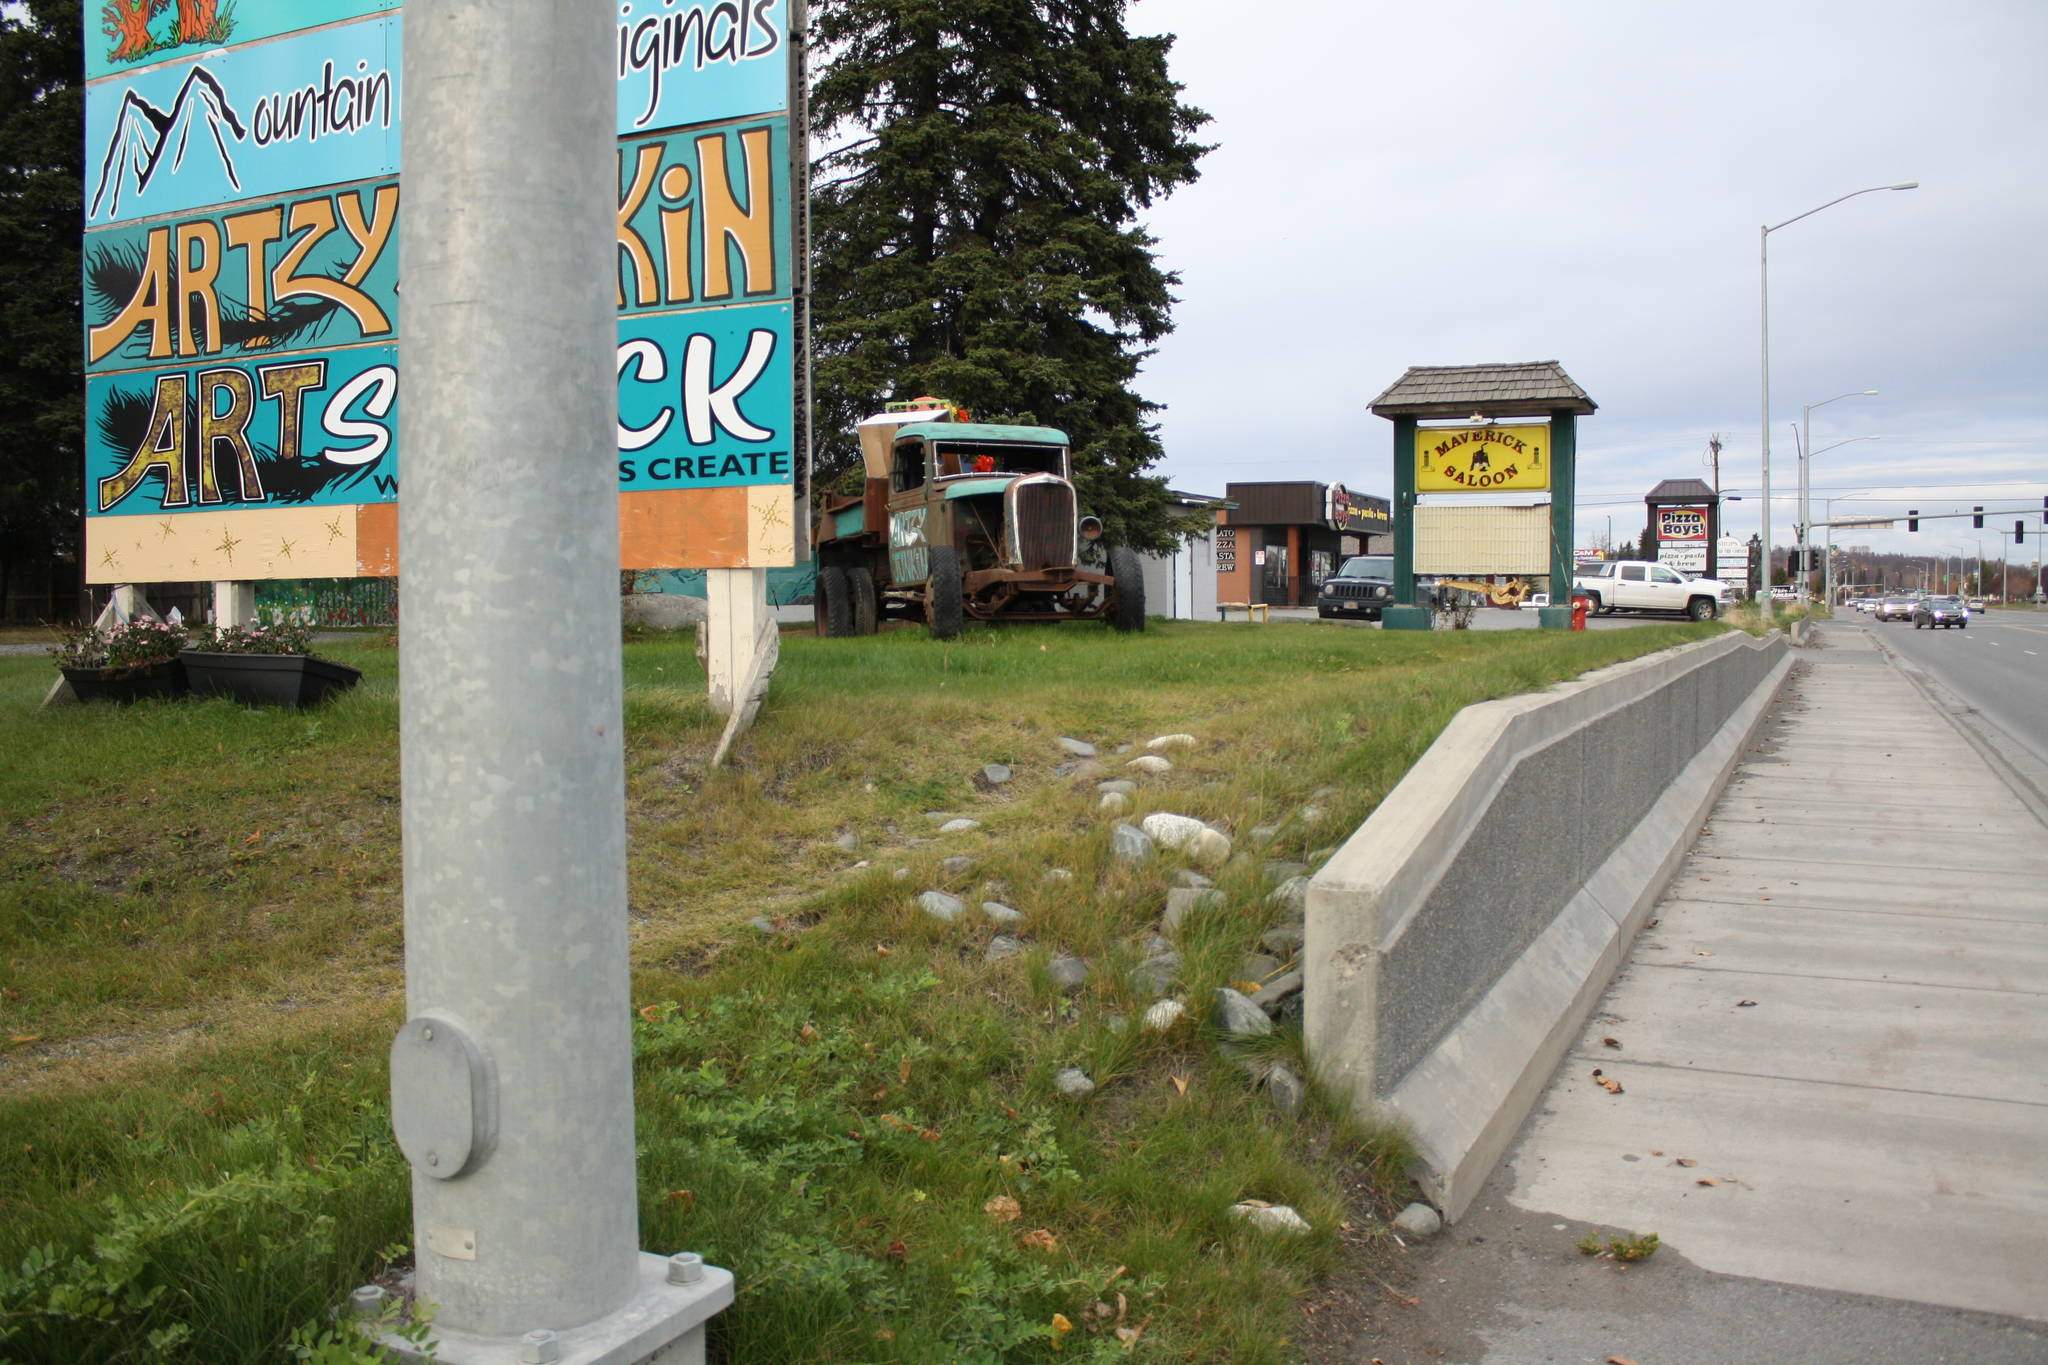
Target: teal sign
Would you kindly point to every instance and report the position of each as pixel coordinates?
(241, 277)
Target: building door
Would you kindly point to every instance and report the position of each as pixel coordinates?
(1273, 577)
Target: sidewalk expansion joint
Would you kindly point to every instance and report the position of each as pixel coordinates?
(1942, 917)
(1725, 970)
(1609, 1060)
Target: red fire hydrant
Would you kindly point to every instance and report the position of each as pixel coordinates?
(1579, 606)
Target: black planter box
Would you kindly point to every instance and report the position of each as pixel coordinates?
(166, 679)
(266, 679)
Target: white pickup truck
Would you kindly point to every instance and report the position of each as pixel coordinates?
(1639, 585)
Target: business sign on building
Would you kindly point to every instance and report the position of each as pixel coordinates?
(1482, 459)
(242, 304)
(1358, 512)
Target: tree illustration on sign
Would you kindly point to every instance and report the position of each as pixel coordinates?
(197, 21)
(127, 22)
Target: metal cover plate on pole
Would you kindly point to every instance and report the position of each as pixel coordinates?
(443, 1097)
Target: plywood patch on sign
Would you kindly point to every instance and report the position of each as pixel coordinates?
(695, 528)
(1482, 540)
(236, 544)
(376, 539)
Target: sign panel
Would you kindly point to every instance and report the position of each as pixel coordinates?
(1482, 540)
(1483, 459)
(1683, 524)
(242, 303)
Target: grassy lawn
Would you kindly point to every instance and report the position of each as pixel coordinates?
(201, 969)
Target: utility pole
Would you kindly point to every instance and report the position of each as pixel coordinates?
(512, 1078)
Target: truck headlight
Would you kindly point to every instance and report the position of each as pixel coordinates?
(1091, 528)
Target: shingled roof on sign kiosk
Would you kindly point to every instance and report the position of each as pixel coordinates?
(1681, 490)
(1535, 389)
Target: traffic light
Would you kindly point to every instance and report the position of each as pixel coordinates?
(2019, 532)
(1977, 521)
(1913, 519)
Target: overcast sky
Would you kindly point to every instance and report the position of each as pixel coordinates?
(1467, 181)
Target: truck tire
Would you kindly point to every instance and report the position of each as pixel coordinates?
(829, 604)
(860, 594)
(1599, 607)
(1701, 609)
(1127, 612)
(944, 609)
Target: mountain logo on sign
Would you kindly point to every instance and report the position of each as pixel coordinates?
(145, 138)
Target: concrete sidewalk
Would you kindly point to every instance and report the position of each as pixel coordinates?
(1833, 1054)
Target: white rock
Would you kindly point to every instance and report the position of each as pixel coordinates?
(1164, 1015)
(1271, 1217)
(1079, 748)
(1073, 1082)
(1169, 830)
(998, 913)
(1113, 803)
(1210, 846)
(940, 906)
(1058, 874)
(960, 826)
(1151, 764)
(1419, 1220)
(1173, 741)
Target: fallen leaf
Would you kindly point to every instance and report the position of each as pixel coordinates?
(1653, 924)
(1610, 1085)
(254, 838)
(1610, 1042)
(1701, 952)
(903, 1072)
(882, 950)
(1656, 1151)
(1744, 1004)
(1685, 1161)
(808, 1031)
(1038, 1239)
(1180, 1083)
(897, 1250)
(1003, 1209)
(1706, 1180)
(1060, 1326)
(25, 1038)
(1618, 1360)
(1128, 1335)
(687, 1198)
(1010, 1113)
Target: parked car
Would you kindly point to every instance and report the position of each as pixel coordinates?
(1930, 612)
(1895, 608)
(1362, 587)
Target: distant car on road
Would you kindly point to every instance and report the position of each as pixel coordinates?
(1944, 612)
(1898, 607)
(1976, 605)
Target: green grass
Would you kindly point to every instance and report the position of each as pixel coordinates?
(200, 971)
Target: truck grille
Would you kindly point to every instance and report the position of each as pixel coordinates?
(1043, 518)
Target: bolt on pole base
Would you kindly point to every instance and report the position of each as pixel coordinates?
(662, 1324)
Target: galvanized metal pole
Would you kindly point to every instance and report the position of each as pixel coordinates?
(512, 1082)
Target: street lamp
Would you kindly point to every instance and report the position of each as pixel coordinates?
(1806, 454)
(1764, 272)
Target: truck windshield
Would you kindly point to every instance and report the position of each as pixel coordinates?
(1001, 457)
(1368, 566)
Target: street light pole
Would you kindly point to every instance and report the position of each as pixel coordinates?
(1764, 277)
(1806, 454)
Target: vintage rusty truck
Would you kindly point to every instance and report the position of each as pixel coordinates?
(963, 521)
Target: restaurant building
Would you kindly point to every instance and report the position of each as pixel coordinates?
(1277, 542)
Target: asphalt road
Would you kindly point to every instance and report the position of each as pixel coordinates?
(1991, 674)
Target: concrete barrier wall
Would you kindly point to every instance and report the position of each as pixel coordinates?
(1457, 941)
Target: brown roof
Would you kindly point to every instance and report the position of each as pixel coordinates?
(1534, 389)
(1681, 490)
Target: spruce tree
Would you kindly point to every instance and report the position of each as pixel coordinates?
(974, 226)
(42, 389)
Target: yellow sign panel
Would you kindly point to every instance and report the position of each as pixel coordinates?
(1482, 459)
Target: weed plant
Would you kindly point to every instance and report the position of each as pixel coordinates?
(200, 972)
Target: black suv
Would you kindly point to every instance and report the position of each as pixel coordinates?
(1363, 586)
